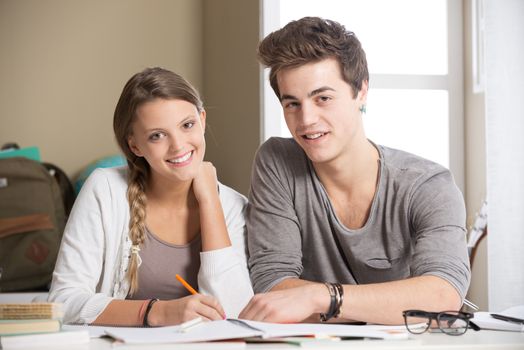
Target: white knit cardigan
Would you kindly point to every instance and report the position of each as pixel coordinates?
(91, 267)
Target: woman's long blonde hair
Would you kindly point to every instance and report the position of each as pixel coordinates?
(145, 86)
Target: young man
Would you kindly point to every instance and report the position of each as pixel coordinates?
(337, 225)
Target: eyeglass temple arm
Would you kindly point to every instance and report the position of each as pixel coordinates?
(473, 326)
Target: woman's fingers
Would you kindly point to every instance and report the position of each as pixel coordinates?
(187, 308)
(212, 308)
(203, 305)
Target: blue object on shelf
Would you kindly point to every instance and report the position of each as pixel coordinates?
(106, 162)
(27, 152)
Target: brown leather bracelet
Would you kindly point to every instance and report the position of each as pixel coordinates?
(145, 321)
(332, 304)
(340, 298)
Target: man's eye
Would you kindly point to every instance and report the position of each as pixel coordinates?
(324, 98)
(291, 105)
(189, 125)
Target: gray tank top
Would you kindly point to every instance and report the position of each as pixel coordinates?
(161, 261)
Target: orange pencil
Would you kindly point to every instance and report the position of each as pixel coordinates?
(185, 284)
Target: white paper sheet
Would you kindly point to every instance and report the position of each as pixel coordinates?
(227, 329)
(208, 331)
(94, 331)
(273, 330)
(484, 320)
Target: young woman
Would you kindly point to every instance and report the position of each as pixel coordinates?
(133, 229)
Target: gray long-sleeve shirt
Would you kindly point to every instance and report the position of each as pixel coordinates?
(415, 226)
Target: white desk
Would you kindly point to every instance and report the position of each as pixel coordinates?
(23, 297)
(482, 340)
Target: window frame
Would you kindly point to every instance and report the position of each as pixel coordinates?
(453, 82)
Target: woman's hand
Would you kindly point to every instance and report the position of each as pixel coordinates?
(176, 311)
(212, 223)
(205, 184)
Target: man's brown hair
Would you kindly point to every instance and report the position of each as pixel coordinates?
(312, 39)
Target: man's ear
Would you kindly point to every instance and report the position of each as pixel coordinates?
(362, 96)
(203, 120)
(132, 146)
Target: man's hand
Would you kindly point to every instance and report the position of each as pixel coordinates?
(289, 305)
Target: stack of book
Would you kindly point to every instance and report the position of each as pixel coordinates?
(30, 318)
(30, 324)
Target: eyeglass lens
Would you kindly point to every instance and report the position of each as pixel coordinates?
(417, 322)
(452, 323)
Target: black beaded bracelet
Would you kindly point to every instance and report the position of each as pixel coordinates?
(145, 322)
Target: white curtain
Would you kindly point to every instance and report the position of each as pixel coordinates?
(504, 96)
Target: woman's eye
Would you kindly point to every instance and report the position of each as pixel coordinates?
(156, 136)
(189, 125)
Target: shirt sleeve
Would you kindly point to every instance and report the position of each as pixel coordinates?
(80, 260)
(274, 239)
(223, 272)
(438, 219)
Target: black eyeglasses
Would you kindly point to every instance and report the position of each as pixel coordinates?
(449, 322)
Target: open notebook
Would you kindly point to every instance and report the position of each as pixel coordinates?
(242, 329)
(485, 320)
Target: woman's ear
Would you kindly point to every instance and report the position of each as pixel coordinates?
(203, 120)
(132, 146)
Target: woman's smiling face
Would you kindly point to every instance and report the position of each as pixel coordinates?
(169, 134)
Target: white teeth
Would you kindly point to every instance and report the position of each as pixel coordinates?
(181, 159)
(313, 136)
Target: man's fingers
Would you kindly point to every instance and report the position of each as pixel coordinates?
(249, 310)
(255, 310)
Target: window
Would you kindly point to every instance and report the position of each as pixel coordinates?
(414, 53)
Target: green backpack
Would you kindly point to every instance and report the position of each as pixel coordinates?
(32, 221)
